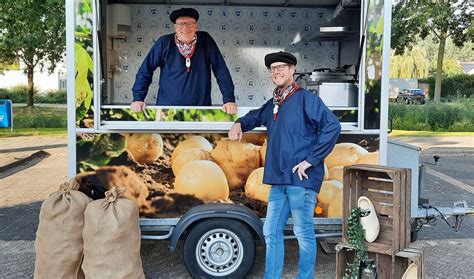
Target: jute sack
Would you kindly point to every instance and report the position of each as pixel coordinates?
(59, 244)
(112, 238)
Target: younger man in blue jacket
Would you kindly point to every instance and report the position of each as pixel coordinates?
(301, 131)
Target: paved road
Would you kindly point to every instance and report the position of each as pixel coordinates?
(448, 254)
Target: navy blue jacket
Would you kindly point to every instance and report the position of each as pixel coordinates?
(177, 87)
(305, 129)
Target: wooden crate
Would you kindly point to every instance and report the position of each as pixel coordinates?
(388, 266)
(389, 190)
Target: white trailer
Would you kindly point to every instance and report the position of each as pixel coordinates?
(343, 51)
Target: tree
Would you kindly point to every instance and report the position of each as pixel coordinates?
(442, 18)
(34, 32)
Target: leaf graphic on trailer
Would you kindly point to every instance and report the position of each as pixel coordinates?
(84, 65)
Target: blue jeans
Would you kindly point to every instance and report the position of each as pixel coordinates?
(300, 202)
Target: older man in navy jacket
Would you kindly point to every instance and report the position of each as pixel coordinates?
(185, 59)
(302, 131)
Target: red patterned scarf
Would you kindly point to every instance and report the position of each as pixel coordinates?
(280, 96)
(187, 50)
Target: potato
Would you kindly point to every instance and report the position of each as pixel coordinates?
(371, 159)
(336, 173)
(144, 148)
(255, 188)
(335, 206)
(328, 189)
(191, 143)
(203, 179)
(237, 160)
(187, 156)
(345, 154)
(326, 173)
(255, 138)
(263, 153)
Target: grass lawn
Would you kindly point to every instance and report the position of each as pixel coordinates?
(37, 121)
(17, 132)
(403, 133)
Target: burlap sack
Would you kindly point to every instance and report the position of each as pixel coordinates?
(59, 244)
(112, 238)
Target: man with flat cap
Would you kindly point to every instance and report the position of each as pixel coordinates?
(301, 132)
(185, 59)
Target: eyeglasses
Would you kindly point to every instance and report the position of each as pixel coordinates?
(187, 24)
(277, 67)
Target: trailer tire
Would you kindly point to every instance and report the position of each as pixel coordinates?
(218, 247)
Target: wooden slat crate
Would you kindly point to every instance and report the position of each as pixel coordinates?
(388, 266)
(389, 190)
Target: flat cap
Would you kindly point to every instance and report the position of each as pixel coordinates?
(280, 56)
(184, 12)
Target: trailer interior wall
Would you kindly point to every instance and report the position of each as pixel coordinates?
(244, 34)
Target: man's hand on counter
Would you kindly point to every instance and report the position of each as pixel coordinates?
(229, 108)
(138, 106)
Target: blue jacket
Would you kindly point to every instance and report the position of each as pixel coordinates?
(305, 129)
(177, 87)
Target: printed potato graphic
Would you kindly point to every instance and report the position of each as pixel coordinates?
(203, 179)
(263, 153)
(371, 159)
(255, 138)
(187, 156)
(329, 189)
(144, 148)
(255, 188)
(336, 173)
(335, 206)
(326, 173)
(237, 160)
(191, 143)
(345, 154)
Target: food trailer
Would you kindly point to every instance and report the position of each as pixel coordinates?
(174, 161)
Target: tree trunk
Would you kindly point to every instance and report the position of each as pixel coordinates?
(29, 100)
(439, 68)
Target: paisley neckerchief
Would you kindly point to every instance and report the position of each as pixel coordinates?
(187, 50)
(281, 95)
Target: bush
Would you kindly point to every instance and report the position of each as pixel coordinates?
(39, 117)
(456, 116)
(19, 94)
(452, 87)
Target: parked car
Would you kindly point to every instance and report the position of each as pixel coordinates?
(411, 96)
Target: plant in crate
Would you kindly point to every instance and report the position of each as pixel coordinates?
(357, 244)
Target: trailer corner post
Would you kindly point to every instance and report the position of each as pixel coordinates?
(385, 81)
(71, 90)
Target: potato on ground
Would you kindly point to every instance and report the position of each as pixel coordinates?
(187, 156)
(203, 179)
(373, 158)
(237, 160)
(335, 206)
(107, 177)
(191, 143)
(144, 148)
(345, 154)
(255, 188)
(326, 173)
(336, 173)
(255, 138)
(263, 153)
(328, 190)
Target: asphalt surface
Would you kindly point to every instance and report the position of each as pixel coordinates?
(448, 254)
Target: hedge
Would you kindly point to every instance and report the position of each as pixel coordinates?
(456, 116)
(18, 94)
(453, 86)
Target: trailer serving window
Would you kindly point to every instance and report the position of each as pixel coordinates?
(324, 36)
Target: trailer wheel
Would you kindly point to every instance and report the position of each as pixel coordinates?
(219, 247)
